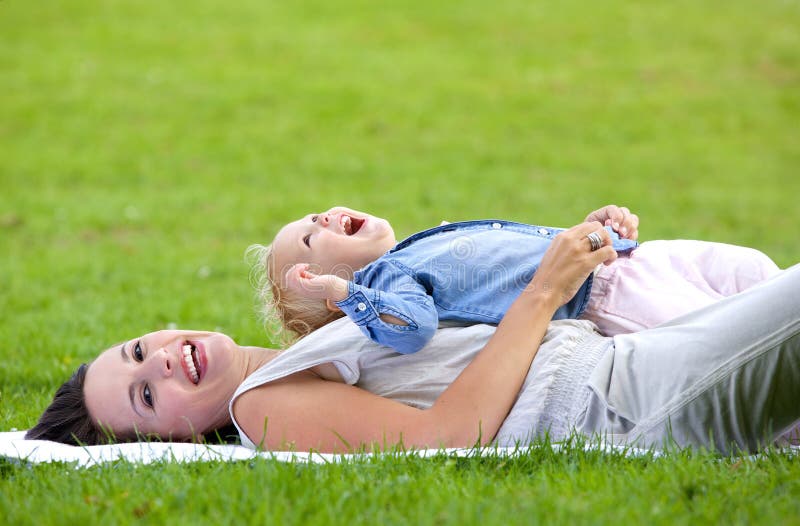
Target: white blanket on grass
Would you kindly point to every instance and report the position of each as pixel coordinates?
(14, 446)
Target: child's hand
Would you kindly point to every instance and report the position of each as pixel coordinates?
(620, 219)
(325, 286)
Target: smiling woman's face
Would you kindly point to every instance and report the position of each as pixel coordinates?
(176, 384)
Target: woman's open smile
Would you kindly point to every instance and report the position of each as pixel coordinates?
(136, 387)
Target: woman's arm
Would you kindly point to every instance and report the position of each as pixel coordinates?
(305, 412)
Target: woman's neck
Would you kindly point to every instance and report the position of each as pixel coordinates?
(256, 357)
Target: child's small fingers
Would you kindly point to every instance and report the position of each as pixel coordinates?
(296, 273)
(307, 274)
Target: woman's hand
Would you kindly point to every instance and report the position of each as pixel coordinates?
(620, 219)
(300, 280)
(569, 260)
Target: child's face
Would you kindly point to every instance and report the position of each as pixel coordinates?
(339, 241)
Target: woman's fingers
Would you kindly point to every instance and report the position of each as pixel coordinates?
(582, 233)
(570, 258)
(619, 218)
(582, 229)
(605, 255)
(609, 215)
(605, 252)
(628, 224)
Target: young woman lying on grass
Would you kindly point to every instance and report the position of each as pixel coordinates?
(726, 376)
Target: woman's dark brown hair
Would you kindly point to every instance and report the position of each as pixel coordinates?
(66, 419)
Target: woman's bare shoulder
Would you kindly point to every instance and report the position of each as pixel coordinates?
(270, 394)
(256, 407)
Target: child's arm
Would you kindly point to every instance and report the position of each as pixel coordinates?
(399, 313)
(618, 218)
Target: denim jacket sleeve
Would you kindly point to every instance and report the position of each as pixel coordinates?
(398, 295)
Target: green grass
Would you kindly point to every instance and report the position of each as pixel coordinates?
(144, 145)
(542, 487)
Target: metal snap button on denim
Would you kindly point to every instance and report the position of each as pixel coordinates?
(361, 307)
(496, 225)
(544, 231)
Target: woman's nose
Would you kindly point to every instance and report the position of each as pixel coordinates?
(162, 363)
(325, 219)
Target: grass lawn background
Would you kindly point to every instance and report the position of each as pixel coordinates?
(144, 146)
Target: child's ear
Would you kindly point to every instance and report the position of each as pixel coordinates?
(332, 306)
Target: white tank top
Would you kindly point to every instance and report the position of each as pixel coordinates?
(552, 394)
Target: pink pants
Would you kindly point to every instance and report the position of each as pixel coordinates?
(662, 280)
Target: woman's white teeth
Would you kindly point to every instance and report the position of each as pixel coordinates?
(187, 358)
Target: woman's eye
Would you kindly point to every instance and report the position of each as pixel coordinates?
(147, 396)
(307, 240)
(137, 352)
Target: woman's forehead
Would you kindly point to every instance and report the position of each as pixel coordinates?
(105, 389)
(106, 360)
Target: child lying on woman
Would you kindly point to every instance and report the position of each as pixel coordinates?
(344, 262)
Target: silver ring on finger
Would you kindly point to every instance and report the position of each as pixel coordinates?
(595, 241)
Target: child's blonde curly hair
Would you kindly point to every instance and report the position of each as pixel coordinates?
(287, 315)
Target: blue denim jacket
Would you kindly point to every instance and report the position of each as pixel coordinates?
(468, 272)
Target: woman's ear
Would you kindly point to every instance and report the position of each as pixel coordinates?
(332, 306)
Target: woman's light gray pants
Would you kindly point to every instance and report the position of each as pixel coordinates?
(726, 376)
